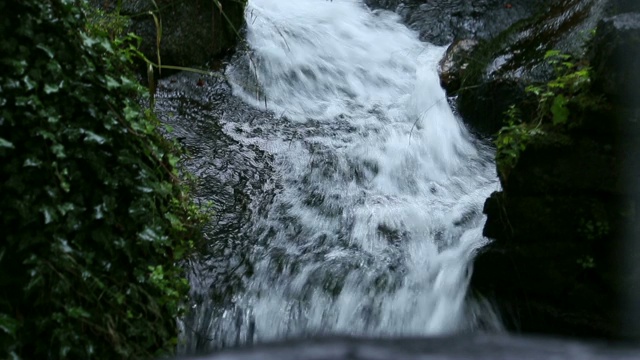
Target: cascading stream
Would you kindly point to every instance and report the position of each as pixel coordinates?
(379, 210)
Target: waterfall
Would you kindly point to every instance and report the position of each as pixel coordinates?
(380, 188)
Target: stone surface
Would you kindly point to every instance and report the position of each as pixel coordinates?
(455, 62)
(443, 21)
(616, 58)
(194, 32)
(501, 66)
(565, 256)
(462, 347)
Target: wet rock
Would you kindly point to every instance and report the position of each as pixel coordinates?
(194, 32)
(236, 178)
(623, 6)
(616, 58)
(441, 22)
(551, 268)
(443, 347)
(495, 73)
(455, 62)
(562, 167)
(560, 221)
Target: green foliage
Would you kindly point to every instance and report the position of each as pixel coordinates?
(513, 138)
(100, 23)
(569, 89)
(586, 262)
(95, 219)
(570, 85)
(594, 229)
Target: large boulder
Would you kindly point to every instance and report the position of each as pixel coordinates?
(565, 254)
(493, 75)
(194, 32)
(616, 58)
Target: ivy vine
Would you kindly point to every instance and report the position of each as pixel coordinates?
(95, 217)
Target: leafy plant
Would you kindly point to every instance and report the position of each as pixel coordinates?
(554, 100)
(95, 217)
(586, 262)
(570, 85)
(513, 138)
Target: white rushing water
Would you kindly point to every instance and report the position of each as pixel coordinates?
(380, 209)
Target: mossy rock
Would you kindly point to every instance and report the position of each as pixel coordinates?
(501, 67)
(194, 32)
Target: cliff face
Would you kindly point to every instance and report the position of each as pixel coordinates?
(560, 222)
(565, 224)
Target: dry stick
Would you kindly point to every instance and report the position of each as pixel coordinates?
(158, 22)
(434, 104)
(283, 38)
(423, 113)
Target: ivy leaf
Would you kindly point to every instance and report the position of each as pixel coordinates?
(175, 221)
(6, 144)
(93, 137)
(58, 151)
(99, 211)
(78, 312)
(46, 49)
(112, 83)
(8, 324)
(65, 208)
(31, 84)
(131, 114)
(149, 234)
(88, 40)
(31, 162)
(53, 88)
(49, 214)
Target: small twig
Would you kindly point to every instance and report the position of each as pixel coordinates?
(423, 113)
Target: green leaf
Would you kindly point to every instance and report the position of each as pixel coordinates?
(46, 50)
(49, 214)
(88, 40)
(98, 211)
(65, 208)
(93, 137)
(8, 324)
(78, 312)
(559, 110)
(534, 89)
(6, 144)
(176, 223)
(32, 163)
(31, 84)
(112, 83)
(58, 151)
(53, 88)
(149, 234)
(131, 113)
(551, 53)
